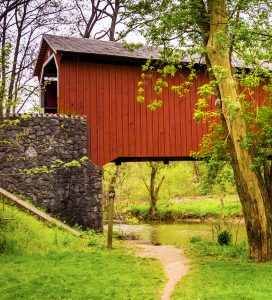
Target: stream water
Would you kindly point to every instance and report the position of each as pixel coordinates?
(177, 233)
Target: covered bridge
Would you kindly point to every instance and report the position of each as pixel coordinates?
(99, 79)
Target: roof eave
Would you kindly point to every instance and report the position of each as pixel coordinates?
(109, 55)
(41, 54)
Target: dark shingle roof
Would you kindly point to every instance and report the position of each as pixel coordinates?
(115, 50)
(91, 47)
(98, 47)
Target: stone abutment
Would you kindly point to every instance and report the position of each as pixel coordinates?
(41, 159)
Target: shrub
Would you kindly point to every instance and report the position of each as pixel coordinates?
(224, 238)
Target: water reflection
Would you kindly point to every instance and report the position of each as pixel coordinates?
(175, 234)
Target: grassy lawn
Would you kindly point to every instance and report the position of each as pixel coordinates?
(39, 262)
(42, 262)
(224, 272)
(191, 208)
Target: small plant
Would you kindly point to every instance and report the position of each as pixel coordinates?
(224, 238)
(94, 239)
(195, 239)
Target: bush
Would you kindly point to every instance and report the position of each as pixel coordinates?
(224, 238)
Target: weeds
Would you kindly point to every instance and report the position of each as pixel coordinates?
(212, 250)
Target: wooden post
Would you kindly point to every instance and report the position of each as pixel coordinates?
(111, 197)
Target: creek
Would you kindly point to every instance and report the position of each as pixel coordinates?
(177, 233)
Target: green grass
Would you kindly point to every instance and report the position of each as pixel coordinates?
(225, 273)
(190, 209)
(41, 262)
(221, 280)
(24, 234)
(78, 276)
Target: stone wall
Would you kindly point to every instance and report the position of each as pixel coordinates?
(27, 142)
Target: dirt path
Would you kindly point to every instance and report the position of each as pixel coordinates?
(174, 262)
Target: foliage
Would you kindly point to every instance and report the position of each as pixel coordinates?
(219, 172)
(182, 180)
(58, 164)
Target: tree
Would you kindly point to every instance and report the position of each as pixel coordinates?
(154, 186)
(21, 25)
(99, 18)
(221, 30)
(9, 5)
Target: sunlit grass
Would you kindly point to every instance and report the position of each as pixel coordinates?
(42, 262)
(224, 272)
(229, 281)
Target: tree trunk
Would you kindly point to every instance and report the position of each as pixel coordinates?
(196, 172)
(115, 13)
(250, 185)
(3, 58)
(10, 98)
(153, 195)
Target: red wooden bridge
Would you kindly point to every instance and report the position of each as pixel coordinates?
(100, 80)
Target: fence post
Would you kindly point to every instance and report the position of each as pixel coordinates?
(111, 197)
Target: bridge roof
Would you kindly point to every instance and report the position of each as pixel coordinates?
(112, 50)
(92, 46)
(95, 47)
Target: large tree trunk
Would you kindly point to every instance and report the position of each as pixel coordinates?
(250, 185)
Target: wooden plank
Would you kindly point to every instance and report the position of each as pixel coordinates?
(137, 116)
(177, 118)
(125, 106)
(113, 112)
(119, 108)
(161, 134)
(87, 104)
(172, 125)
(106, 114)
(183, 116)
(147, 117)
(132, 84)
(100, 112)
(80, 89)
(194, 97)
(167, 99)
(42, 215)
(62, 88)
(72, 88)
(93, 113)
(155, 126)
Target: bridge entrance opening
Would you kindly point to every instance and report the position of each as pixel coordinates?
(49, 87)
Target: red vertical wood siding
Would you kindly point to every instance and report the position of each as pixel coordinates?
(118, 125)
